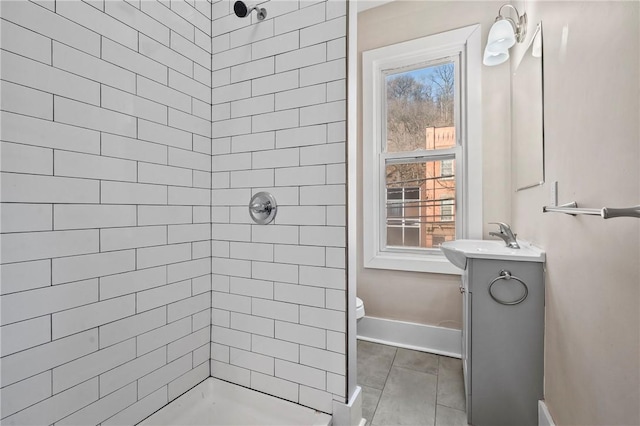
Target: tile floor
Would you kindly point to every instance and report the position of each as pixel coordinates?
(405, 387)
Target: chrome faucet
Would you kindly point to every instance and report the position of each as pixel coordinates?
(506, 234)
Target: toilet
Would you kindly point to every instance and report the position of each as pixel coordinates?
(359, 308)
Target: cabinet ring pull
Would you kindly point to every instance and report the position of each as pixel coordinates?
(506, 275)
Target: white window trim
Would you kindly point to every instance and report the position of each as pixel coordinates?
(465, 43)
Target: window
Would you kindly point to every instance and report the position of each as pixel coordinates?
(421, 145)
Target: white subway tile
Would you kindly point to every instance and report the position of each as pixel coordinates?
(254, 69)
(59, 406)
(80, 63)
(162, 336)
(276, 310)
(315, 398)
(81, 267)
(325, 31)
(275, 271)
(163, 14)
(191, 50)
(336, 216)
(140, 410)
(90, 17)
(230, 373)
(231, 57)
(337, 90)
(336, 9)
(336, 174)
(72, 373)
(323, 236)
(163, 375)
(131, 371)
(220, 214)
(133, 17)
(188, 12)
(133, 149)
(164, 215)
(275, 45)
(275, 234)
(48, 134)
(163, 54)
(221, 112)
(228, 162)
(231, 92)
(189, 123)
(303, 215)
(201, 284)
(301, 58)
(132, 193)
(314, 175)
(136, 106)
(202, 355)
(228, 337)
(220, 352)
(251, 361)
(201, 180)
(83, 115)
(47, 189)
(163, 295)
(231, 232)
(251, 287)
(202, 74)
(301, 97)
(323, 195)
(25, 159)
(89, 316)
(79, 216)
(126, 328)
(189, 86)
(251, 178)
(27, 43)
(220, 317)
(132, 237)
(202, 214)
(300, 19)
(301, 136)
(220, 248)
(325, 318)
(251, 34)
(25, 276)
(275, 120)
(220, 180)
(252, 324)
(25, 217)
(275, 83)
(253, 142)
(275, 348)
(184, 233)
(337, 49)
(49, 24)
(336, 384)
(323, 113)
(299, 255)
(324, 360)
(187, 344)
(24, 335)
(187, 307)
(301, 334)
(27, 101)
(302, 374)
(221, 42)
(163, 94)
(189, 196)
(274, 386)
(231, 302)
(336, 342)
(164, 175)
(163, 255)
(323, 73)
(45, 357)
(19, 247)
(187, 270)
(276, 158)
(203, 41)
(188, 380)
(103, 408)
(337, 132)
(72, 164)
(25, 393)
(323, 277)
(201, 109)
(336, 257)
(299, 294)
(252, 106)
(252, 251)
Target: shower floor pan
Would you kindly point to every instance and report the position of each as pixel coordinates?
(217, 403)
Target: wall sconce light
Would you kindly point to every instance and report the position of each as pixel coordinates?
(504, 33)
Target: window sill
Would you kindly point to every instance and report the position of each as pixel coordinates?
(431, 263)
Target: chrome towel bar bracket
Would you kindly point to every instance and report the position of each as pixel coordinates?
(605, 212)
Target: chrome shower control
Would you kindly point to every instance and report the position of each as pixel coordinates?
(263, 208)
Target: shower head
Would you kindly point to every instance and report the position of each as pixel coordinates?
(242, 10)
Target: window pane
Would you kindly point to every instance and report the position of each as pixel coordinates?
(420, 109)
(420, 203)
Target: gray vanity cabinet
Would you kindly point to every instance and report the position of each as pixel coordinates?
(503, 344)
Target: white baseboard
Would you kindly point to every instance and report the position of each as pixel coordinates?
(409, 335)
(544, 417)
(349, 414)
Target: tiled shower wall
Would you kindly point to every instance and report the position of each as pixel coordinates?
(279, 111)
(106, 161)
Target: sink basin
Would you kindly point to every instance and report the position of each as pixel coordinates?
(459, 251)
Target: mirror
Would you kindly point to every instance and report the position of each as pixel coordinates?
(527, 116)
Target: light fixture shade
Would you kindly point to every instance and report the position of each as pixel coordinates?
(501, 37)
(490, 59)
